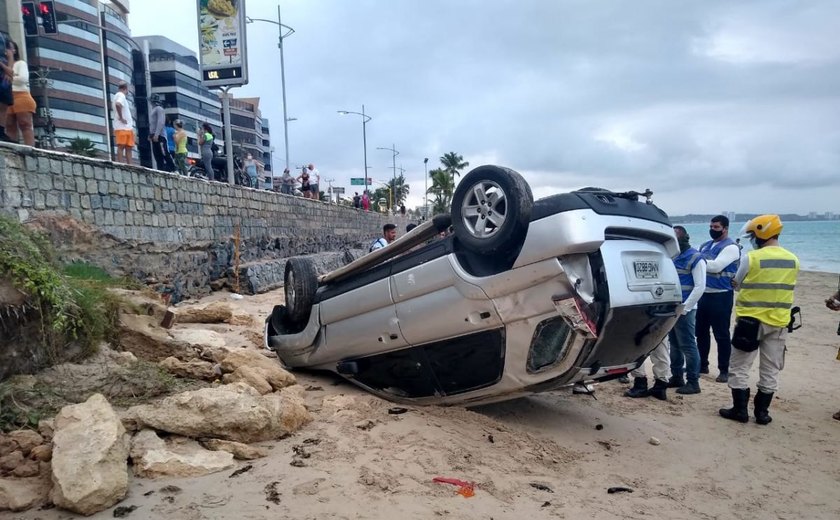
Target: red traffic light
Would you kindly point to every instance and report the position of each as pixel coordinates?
(30, 20)
(48, 21)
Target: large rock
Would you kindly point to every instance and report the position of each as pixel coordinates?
(251, 376)
(233, 412)
(193, 369)
(89, 460)
(175, 457)
(11, 461)
(268, 368)
(237, 449)
(20, 494)
(143, 337)
(216, 312)
(198, 339)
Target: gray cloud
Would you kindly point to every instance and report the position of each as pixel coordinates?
(660, 94)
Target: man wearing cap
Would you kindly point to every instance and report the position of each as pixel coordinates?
(685, 358)
(157, 136)
(123, 125)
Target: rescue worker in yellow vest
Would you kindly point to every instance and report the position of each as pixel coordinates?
(765, 281)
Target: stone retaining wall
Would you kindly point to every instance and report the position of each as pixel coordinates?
(175, 232)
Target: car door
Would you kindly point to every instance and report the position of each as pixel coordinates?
(361, 321)
(434, 302)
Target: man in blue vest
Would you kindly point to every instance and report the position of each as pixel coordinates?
(715, 308)
(685, 358)
(765, 281)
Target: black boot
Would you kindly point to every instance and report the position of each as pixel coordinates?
(676, 382)
(740, 401)
(659, 389)
(640, 388)
(761, 402)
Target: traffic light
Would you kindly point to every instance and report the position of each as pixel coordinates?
(48, 17)
(30, 18)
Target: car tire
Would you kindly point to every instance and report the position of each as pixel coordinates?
(300, 283)
(491, 209)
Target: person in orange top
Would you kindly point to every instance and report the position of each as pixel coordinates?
(19, 114)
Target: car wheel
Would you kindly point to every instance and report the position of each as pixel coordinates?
(300, 284)
(491, 209)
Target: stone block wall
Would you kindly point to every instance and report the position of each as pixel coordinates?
(176, 232)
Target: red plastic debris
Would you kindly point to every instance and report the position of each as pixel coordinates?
(465, 489)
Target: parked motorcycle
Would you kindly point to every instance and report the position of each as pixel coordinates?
(219, 163)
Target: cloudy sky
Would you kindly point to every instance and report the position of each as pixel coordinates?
(714, 105)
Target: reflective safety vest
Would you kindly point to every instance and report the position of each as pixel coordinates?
(721, 281)
(685, 262)
(766, 293)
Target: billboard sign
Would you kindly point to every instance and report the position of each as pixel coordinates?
(359, 181)
(222, 48)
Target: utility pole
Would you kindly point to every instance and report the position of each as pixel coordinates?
(44, 82)
(394, 154)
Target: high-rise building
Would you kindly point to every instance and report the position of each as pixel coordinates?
(171, 72)
(246, 128)
(75, 72)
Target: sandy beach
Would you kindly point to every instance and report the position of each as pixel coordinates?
(552, 455)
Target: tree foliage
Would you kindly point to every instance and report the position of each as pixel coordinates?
(82, 146)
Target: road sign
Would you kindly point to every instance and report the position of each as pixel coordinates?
(359, 181)
(338, 189)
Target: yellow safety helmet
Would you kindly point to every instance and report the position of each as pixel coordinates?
(764, 227)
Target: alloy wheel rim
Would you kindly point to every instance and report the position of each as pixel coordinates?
(484, 209)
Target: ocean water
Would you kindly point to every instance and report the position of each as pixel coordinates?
(815, 242)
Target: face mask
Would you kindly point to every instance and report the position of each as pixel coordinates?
(715, 234)
(754, 243)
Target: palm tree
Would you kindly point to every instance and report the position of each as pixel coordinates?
(453, 163)
(443, 186)
(82, 146)
(400, 188)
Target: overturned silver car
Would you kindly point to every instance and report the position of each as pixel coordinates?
(523, 296)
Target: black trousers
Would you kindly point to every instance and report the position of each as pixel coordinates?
(714, 311)
(163, 159)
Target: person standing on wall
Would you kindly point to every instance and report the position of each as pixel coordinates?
(157, 136)
(715, 308)
(123, 125)
(180, 141)
(169, 130)
(6, 99)
(205, 143)
(314, 181)
(765, 282)
(19, 113)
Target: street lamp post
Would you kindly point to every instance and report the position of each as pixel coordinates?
(394, 154)
(426, 193)
(281, 37)
(365, 119)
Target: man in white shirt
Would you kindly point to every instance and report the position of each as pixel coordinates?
(389, 234)
(715, 307)
(123, 125)
(314, 181)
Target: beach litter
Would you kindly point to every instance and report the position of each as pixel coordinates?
(465, 489)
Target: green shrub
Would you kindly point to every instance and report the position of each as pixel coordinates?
(73, 302)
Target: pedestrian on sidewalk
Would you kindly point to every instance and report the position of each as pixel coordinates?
(19, 114)
(123, 125)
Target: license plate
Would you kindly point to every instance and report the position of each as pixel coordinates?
(646, 270)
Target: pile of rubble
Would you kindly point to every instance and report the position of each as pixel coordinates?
(80, 460)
